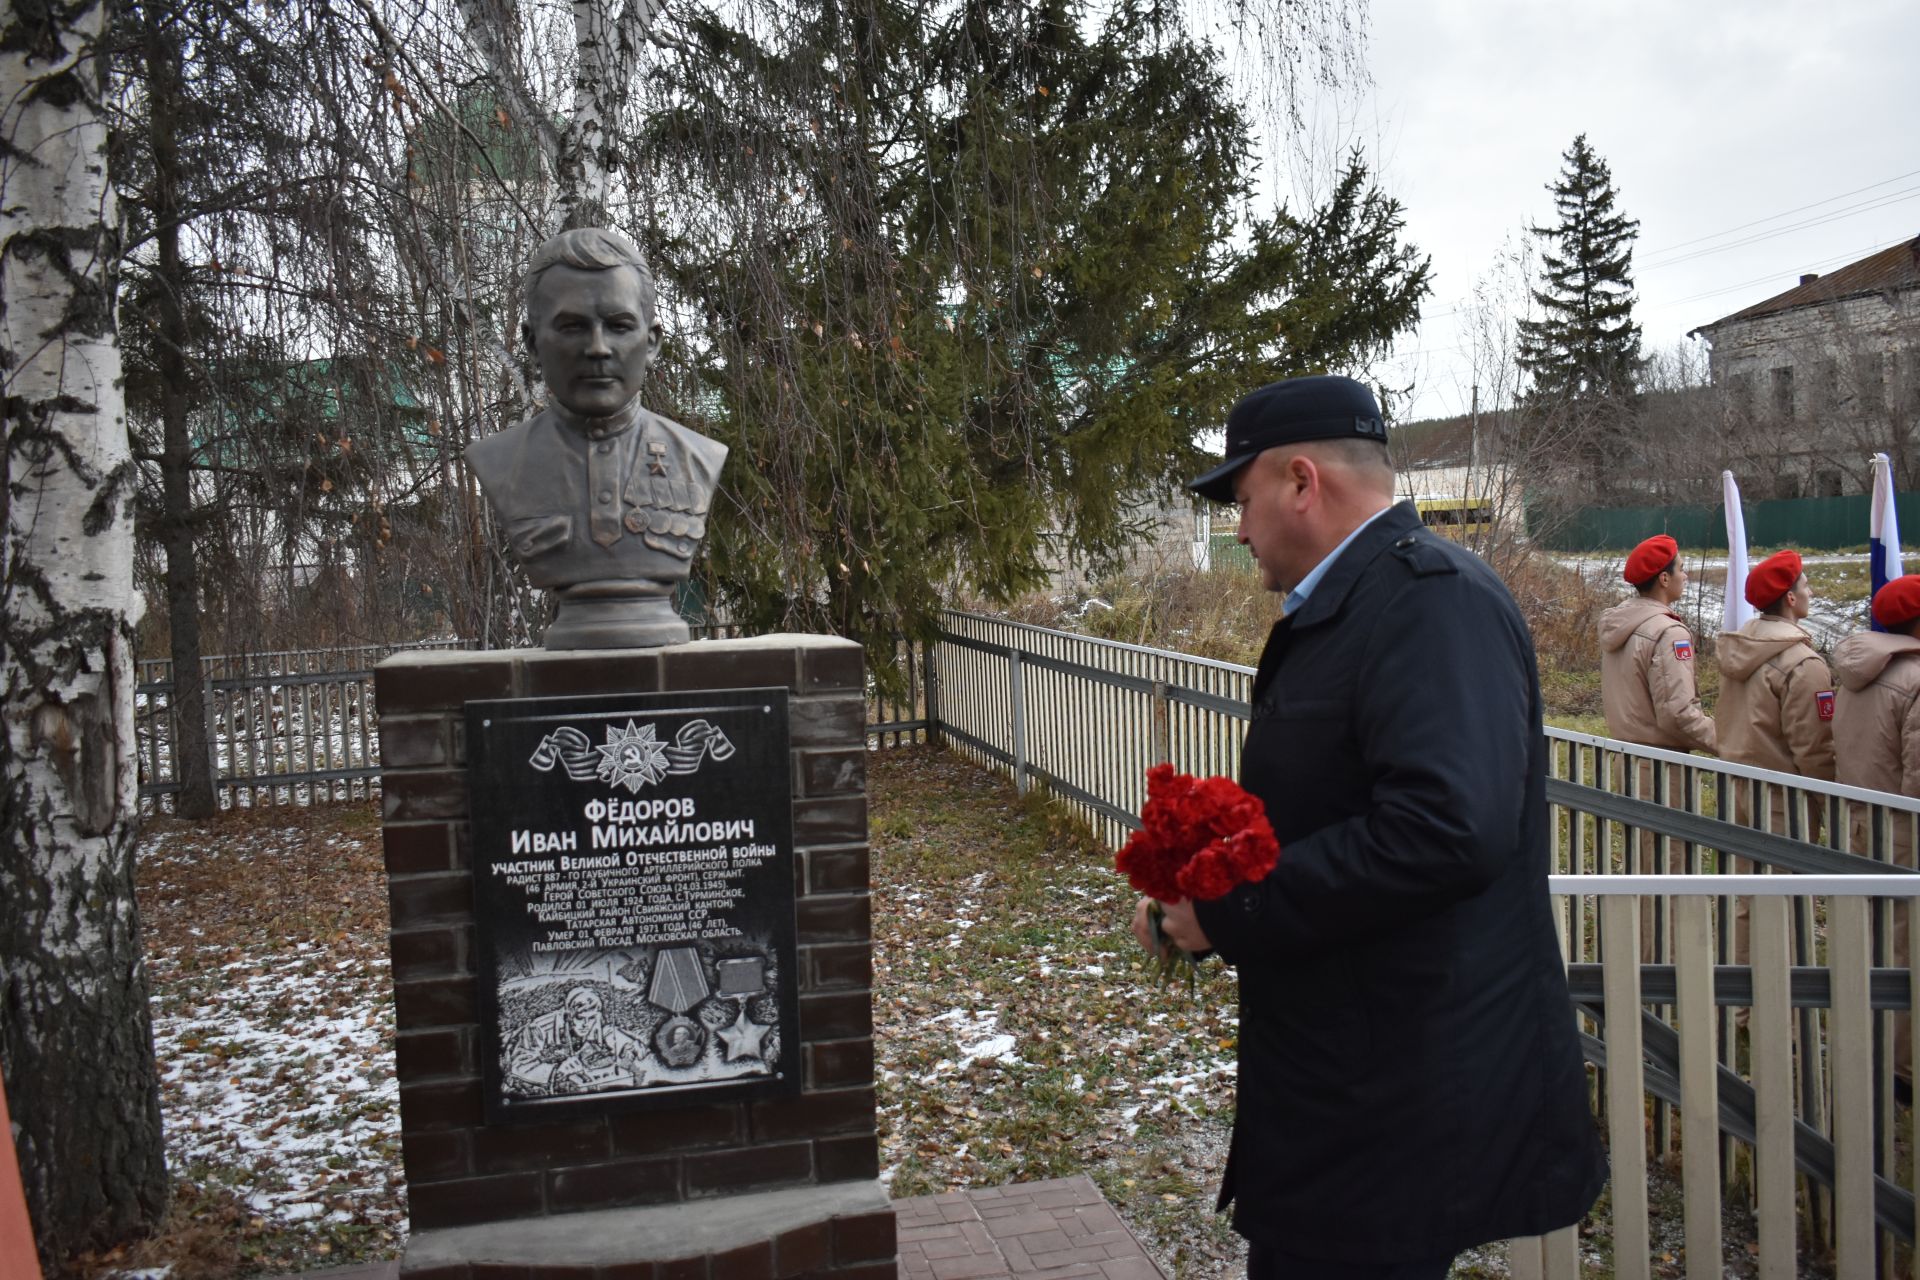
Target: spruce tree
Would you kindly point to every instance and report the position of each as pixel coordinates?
(1585, 346)
(1011, 276)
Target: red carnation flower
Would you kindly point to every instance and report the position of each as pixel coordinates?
(1198, 839)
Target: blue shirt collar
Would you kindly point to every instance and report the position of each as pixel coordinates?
(1298, 596)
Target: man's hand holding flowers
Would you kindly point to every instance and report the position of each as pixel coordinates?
(1198, 838)
(1178, 926)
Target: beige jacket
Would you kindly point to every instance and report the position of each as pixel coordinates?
(1646, 678)
(1776, 700)
(1876, 722)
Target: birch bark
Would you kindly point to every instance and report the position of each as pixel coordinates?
(75, 1034)
(585, 152)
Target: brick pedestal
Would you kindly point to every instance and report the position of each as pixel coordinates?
(747, 1190)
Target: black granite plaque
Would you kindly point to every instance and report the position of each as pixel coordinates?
(633, 888)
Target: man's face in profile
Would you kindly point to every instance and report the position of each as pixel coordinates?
(594, 336)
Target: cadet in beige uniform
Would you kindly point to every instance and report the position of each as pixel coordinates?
(1775, 709)
(1876, 723)
(1647, 687)
(1648, 692)
(1776, 696)
(1876, 739)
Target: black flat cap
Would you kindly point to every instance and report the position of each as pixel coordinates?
(1321, 407)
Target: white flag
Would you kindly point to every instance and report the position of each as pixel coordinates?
(1883, 530)
(1737, 612)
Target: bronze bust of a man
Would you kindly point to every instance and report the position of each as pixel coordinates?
(602, 501)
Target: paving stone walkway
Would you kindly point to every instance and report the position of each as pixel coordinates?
(1061, 1229)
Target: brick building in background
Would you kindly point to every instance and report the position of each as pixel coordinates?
(1820, 377)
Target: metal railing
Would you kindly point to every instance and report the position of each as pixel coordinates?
(285, 727)
(1852, 1198)
(1085, 718)
(300, 727)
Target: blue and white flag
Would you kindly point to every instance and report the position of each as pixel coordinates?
(1736, 612)
(1883, 534)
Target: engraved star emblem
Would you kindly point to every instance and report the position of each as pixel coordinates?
(632, 757)
(743, 1039)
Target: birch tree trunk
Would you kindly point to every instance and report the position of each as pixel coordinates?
(602, 83)
(585, 152)
(76, 1039)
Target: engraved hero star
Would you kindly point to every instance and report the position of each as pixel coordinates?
(742, 1039)
(632, 757)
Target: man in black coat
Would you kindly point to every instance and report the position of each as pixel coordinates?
(1410, 1084)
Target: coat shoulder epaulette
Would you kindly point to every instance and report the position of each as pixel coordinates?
(1423, 557)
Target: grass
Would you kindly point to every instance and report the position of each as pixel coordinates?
(1003, 912)
(1018, 1033)
(1847, 583)
(995, 917)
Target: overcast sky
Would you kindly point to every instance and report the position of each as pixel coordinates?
(1711, 114)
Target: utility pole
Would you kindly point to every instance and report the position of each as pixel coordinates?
(1473, 441)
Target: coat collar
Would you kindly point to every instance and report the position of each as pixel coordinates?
(1398, 522)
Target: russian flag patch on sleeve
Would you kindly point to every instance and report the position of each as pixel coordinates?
(1683, 650)
(1824, 700)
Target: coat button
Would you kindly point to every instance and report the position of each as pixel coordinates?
(606, 496)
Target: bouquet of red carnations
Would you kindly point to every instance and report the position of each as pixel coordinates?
(1198, 838)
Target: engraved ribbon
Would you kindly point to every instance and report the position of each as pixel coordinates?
(696, 741)
(571, 749)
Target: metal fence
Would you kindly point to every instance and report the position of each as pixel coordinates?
(1085, 718)
(286, 727)
(1750, 1120)
(300, 727)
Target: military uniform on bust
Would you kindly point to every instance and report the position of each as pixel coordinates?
(602, 502)
(648, 482)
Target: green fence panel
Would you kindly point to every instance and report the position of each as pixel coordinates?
(1228, 553)
(1818, 523)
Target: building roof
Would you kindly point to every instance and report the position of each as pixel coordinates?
(1893, 268)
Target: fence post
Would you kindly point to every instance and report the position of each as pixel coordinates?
(1162, 736)
(930, 675)
(1851, 1047)
(1626, 1083)
(1017, 686)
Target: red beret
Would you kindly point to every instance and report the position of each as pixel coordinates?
(1650, 557)
(1772, 578)
(1897, 603)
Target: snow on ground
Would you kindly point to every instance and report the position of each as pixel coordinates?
(273, 1023)
(286, 1070)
